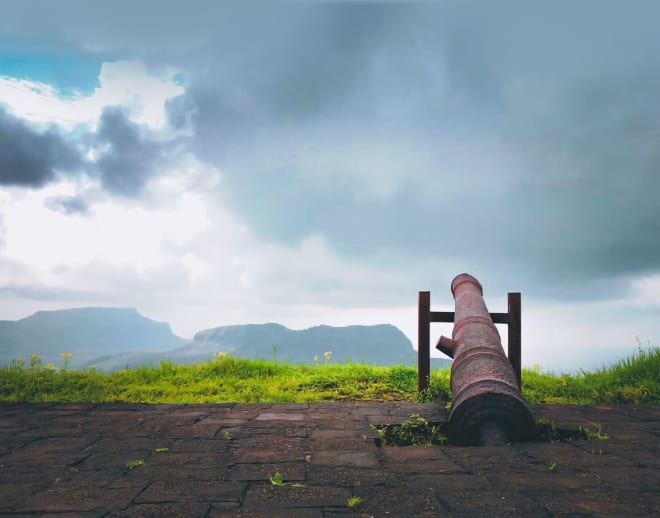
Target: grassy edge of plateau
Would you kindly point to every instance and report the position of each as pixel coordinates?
(228, 379)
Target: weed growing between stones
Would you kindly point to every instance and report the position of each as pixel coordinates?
(353, 502)
(547, 431)
(278, 480)
(132, 464)
(595, 435)
(419, 431)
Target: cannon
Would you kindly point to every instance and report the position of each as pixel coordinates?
(487, 406)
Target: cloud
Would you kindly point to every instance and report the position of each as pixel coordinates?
(30, 158)
(67, 204)
(142, 93)
(519, 142)
(594, 179)
(117, 232)
(3, 231)
(35, 292)
(128, 158)
(120, 126)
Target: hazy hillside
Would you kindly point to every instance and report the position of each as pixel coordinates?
(112, 339)
(378, 344)
(86, 333)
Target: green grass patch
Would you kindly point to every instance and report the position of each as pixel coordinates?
(227, 379)
(220, 380)
(632, 380)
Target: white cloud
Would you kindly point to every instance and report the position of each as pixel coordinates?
(121, 83)
(572, 336)
(114, 232)
(646, 291)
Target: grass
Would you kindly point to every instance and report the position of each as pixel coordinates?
(353, 502)
(417, 431)
(228, 379)
(132, 464)
(632, 380)
(278, 480)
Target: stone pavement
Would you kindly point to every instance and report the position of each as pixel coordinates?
(69, 460)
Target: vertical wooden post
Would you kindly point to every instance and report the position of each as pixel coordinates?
(515, 336)
(424, 341)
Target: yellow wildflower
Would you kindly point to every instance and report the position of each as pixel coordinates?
(222, 354)
(34, 356)
(66, 356)
(50, 366)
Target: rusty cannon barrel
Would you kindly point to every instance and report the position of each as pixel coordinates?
(487, 407)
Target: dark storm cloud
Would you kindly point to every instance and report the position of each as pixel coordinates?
(539, 132)
(128, 157)
(283, 68)
(148, 27)
(594, 177)
(179, 111)
(30, 158)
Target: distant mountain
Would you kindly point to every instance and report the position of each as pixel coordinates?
(86, 333)
(379, 344)
(112, 339)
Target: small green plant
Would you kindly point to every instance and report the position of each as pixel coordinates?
(596, 435)
(382, 432)
(227, 436)
(278, 480)
(552, 466)
(162, 450)
(547, 431)
(426, 396)
(132, 464)
(353, 502)
(417, 431)
(66, 357)
(35, 362)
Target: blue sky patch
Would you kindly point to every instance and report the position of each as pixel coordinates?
(70, 73)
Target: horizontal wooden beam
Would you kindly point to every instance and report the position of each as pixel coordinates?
(448, 316)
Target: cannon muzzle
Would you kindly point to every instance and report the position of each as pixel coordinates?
(487, 407)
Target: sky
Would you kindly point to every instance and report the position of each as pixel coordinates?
(216, 163)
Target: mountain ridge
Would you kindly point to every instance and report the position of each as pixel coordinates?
(83, 332)
(117, 338)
